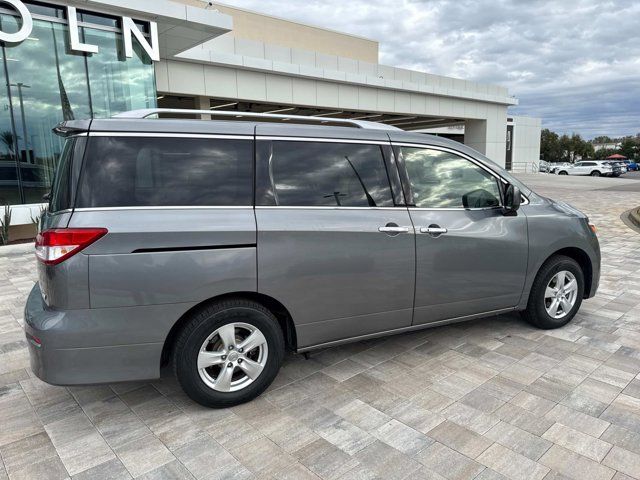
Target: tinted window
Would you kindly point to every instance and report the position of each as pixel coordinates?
(121, 171)
(61, 190)
(445, 180)
(329, 174)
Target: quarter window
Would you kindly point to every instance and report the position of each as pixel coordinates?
(445, 180)
(146, 171)
(328, 174)
(61, 190)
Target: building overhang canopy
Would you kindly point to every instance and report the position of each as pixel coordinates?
(180, 27)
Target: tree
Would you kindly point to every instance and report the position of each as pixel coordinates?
(604, 153)
(630, 147)
(550, 146)
(602, 139)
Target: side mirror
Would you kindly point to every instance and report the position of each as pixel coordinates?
(512, 198)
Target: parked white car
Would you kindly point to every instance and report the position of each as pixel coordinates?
(587, 167)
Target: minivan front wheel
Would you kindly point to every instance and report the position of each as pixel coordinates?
(228, 353)
(556, 294)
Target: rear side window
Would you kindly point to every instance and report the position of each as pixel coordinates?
(61, 189)
(328, 174)
(148, 171)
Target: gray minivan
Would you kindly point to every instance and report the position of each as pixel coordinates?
(214, 246)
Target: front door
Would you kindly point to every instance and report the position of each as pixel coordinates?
(333, 247)
(470, 257)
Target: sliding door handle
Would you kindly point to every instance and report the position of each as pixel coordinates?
(392, 229)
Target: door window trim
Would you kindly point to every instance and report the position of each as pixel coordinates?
(407, 182)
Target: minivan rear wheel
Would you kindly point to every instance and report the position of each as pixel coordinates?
(228, 353)
(556, 294)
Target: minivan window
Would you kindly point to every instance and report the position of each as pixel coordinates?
(61, 189)
(154, 171)
(445, 180)
(329, 174)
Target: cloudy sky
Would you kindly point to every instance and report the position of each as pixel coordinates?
(575, 63)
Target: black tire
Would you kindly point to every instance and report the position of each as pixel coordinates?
(562, 173)
(206, 321)
(595, 173)
(536, 313)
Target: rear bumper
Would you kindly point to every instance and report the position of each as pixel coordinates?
(57, 357)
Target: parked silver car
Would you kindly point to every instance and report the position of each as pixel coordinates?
(213, 246)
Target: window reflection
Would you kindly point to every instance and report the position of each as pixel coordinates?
(445, 180)
(46, 84)
(329, 174)
(118, 85)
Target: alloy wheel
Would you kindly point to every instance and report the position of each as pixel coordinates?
(561, 294)
(232, 357)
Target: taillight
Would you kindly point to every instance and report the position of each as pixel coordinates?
(56, 245)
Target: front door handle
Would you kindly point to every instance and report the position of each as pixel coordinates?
(433, 230)
(393, 229)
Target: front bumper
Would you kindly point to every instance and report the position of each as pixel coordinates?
(58, 357)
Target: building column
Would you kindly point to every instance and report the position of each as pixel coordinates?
(203, 103)
(488, 136)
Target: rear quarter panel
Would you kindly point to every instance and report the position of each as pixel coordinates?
(167, 256)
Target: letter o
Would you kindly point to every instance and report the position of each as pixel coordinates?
(27, 23)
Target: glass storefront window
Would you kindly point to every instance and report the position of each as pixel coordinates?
(9, 187)
(47, 86)
(118, 85)
(44, 83)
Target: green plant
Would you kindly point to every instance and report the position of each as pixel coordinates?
(36, 220)
(5, 222)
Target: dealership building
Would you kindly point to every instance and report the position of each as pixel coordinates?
(66, 60)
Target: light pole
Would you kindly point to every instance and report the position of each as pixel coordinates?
(20, 86)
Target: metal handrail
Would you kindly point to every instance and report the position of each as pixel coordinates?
(147, 112)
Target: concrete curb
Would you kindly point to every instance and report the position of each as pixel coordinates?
(631, 218)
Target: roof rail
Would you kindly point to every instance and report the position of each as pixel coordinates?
(147, 112)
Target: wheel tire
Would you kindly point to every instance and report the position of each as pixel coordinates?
(595, 173)
(204, 323)
(536, 312)
(563, 173)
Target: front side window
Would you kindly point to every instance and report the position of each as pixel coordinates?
(328, 174)
(146, 171)
(445, 180)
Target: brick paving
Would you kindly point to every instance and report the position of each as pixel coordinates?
(489, 399)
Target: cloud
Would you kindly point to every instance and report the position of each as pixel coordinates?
(575, 64)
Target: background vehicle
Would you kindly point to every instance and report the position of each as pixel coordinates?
(631, 165)
(555, 167)
(586, 167)
(616, 168)
(212, 246)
